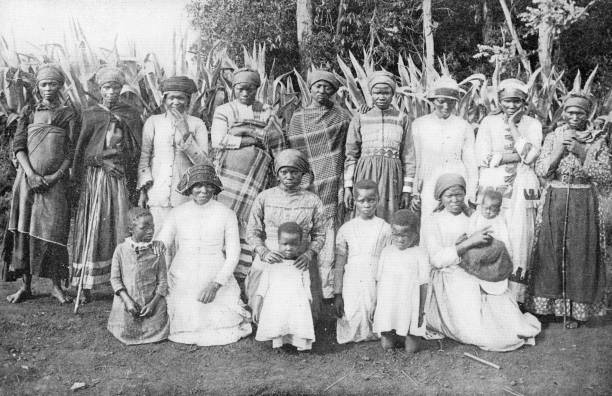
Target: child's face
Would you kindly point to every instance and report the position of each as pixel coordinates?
(452, 199)
(289, 244)
(143, 229)
(403, 236)
(290, 177)
(490, 208)
(366, 202)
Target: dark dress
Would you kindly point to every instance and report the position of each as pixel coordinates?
(37, 232)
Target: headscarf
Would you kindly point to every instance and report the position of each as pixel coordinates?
(445, 87)
(382, 77)
(110, 74)
(199, 174)
(512, 88)
(246, 76)
(447, 181)
(580, 101)
(321, 75)
(179, 83)
(292, 158)
(50, 72)
(491, 264)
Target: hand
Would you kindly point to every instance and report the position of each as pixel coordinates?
(272, 257)
(37, 183)
(363, 109)
(515, 118)
(348, 198)
(415, 203)
(305, 260)
(339, 306)
(480, 237)
(112, 169)
(575, 148)
(257, 302)
(209, 293)
(180, 121)
(148, 309)
(158, 248)
(143, 198)
(405, 200)
(462, 238)
(131, 306)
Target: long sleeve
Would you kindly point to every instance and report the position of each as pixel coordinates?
(597, 163)
(162, 278)
(167, 235)
(483, 146)
(469, 160)
(529, 145)
(319, 228)
(116, 279)
(145, 174)
(408, 157)
(416, 141)
(20, 140)
(74, 126)
(544, 164)
(352, 150)
(440, 256)
(255, 232)
(196, 145)
(232, 249)
(219, 135)
(78, 164)
(264, 281)
(424, 268)
(380, 268)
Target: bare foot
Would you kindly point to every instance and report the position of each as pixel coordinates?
(387, 342)
(60, 295)
(19, 296)
(411, 344)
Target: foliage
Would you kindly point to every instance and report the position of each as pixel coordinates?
(559, 14)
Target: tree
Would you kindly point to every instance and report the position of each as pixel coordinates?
(428, 34)
(303, 17)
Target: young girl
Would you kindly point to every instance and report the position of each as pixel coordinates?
(282, 302)
(358, 246)
(403, 274)
(138, 278)
(379, 147)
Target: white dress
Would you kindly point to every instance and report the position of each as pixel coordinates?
(204, 239)
(362, 242)
(456, 305)
(400, 276)
(285, 313)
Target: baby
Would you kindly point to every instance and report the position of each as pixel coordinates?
(487, 215)
(139, 280)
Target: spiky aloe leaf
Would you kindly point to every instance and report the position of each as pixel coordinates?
(305, 95)
(356, 95)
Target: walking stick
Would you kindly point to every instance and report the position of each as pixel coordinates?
(564, 255)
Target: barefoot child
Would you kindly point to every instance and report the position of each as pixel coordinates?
(282, 304)
(358, 246)
(403, 274)
(138, 278)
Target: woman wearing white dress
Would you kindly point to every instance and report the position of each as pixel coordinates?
(204, 305)
(457, 305)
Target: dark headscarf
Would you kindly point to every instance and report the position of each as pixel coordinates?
(179, 83)
(577, 101)
(50, 72)
(291, 158)
(246, 76)
(110, 74)
(322, 75)
(447, 181)
(199, 174)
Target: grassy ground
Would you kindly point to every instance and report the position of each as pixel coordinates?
(45, 349)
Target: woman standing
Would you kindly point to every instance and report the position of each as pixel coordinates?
(35, 241)
(204, 306)
(105, 159)
(507, 146)
(576, 159)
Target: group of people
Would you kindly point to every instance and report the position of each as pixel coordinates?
(415, 228)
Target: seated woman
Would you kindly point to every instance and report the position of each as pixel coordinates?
(457, 305)
(204, 306)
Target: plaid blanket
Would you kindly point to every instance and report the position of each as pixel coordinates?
(320, 133)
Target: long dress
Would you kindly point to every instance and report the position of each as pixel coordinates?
(400, 276)
(379, 147)
(274, 207)
(246, 171)
(518, 184)
(206, 246)
(37, 234)
(320, 133)
(442, 146)
(142, 274)
(285, 314)
(458, 307)
(362, 242)
(585, 238)
(101, 220)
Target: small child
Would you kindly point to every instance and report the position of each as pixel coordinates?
(138, 278)
(281, 305)
(403, 275)
(358, 246)
(487, 215)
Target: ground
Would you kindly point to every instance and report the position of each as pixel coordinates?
(45, 349)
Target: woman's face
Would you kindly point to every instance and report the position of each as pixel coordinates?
(322, 92)
(444, 107)
(49, 89)
(245, 93)
(382, 95)
(452, 199)
(511, 105)
(575, 117)
(176, 100)
(110, 92)
(201, 193)
(289, 177)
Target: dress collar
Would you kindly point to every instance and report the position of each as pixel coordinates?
(139, 246)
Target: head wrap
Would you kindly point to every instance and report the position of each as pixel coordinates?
(199, 174)
(382, 77)
(447, 181)
(491, 264)
(179, 83)
(512, 88)
(292, 158)
(321, 75)
(246, 76)
(580, 101)
(445, 87)
(110, 74)
(50, 72)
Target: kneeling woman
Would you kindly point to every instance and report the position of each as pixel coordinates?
(204, 306)
(458, 306)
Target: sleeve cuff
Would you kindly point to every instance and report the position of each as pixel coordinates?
(496, 159)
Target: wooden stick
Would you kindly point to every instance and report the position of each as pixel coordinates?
(410, 378)
(495, 366)
(512, 392)
(337, 381)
